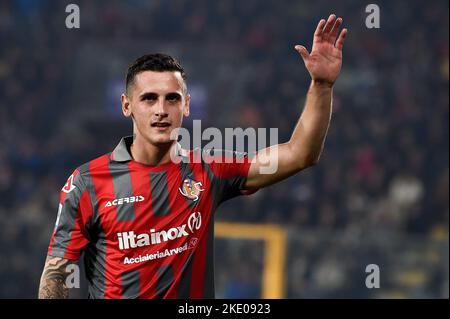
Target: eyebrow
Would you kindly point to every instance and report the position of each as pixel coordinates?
(147, 95)
(170, 95)
(173, 95)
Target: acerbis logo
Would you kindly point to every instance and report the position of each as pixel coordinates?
(125, 200)
(129, 239)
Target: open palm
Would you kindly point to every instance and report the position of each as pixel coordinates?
(325, 60)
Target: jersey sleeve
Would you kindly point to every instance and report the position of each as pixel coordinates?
(230, 170)
(69, 235)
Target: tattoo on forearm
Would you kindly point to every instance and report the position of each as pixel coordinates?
(53, 280)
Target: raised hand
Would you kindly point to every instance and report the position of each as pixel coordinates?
(325, 60)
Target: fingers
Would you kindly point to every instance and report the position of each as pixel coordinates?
(341, 39)
(326, 31)
(319, 28)
(334, 32)
(303, 51)
(328, 26)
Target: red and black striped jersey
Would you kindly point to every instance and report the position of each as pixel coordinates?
(146, 231)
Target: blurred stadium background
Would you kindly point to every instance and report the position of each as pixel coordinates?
(378, 196)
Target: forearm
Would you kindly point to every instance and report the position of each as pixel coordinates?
(53, 280)
(308, 138)
(306, 143)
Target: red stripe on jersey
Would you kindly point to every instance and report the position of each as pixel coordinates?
(140, 183)
(178, 207)
(104, 189)
(199, 262)
(236, 166)
(79, 237)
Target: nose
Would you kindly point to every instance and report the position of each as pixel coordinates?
(161, 108)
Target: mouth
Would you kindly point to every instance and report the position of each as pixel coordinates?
(161, 126)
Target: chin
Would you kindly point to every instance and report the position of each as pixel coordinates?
(156, 138)
(162, 141)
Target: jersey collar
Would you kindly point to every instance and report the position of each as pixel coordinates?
(122, 151)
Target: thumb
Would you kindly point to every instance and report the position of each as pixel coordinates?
(303, 51)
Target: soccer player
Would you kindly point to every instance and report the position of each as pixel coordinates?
(144, 220)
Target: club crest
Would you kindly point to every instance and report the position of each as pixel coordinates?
(191, 189)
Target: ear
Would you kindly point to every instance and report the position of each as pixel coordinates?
(187, 102)
(126, 106)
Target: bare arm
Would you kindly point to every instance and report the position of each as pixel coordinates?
(53, 280)
(306, 143)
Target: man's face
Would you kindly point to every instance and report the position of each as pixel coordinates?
(157, 101)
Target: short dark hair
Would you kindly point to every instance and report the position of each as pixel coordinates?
(158, 62)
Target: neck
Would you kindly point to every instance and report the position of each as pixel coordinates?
(149, 154)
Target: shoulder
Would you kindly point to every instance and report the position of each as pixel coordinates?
(95, 164)
(222, 153)
(213, 155)
(87, 169)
